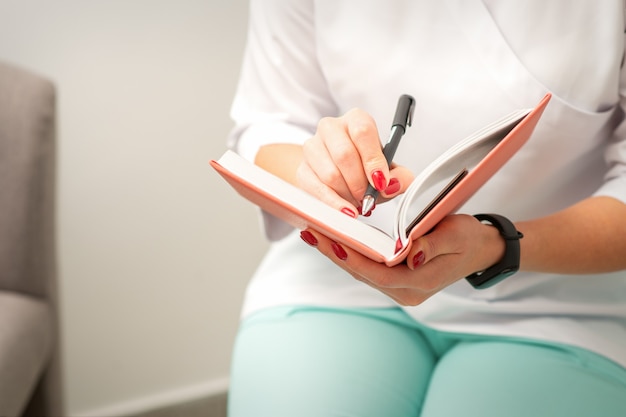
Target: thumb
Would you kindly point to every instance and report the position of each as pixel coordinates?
(401, 178)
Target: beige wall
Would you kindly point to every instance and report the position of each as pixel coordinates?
(154, 249)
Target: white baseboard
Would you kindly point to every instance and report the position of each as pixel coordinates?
(159, 400)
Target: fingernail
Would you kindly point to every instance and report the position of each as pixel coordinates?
(349, 212)
(360, 210)
(339, 251)
(380, 182)
(308, 237)
(393, 187)
(398, 245)
(418, 259)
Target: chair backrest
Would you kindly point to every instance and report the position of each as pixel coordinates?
(27, 159)
(27, 209)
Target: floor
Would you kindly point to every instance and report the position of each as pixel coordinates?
(214, 406)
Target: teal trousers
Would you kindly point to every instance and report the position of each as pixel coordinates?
(318, 362)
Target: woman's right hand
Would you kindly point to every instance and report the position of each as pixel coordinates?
(343, 156)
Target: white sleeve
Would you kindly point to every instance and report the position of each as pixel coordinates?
(282, 92)
(615, 153)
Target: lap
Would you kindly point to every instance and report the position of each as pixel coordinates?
(329, 362)
(520, 378)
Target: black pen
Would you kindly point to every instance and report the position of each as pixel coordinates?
(402, 118)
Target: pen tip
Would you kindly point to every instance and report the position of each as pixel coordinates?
(368, 204)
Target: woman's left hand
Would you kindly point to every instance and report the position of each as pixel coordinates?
(457, 247)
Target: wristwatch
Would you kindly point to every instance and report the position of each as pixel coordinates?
(509, 264)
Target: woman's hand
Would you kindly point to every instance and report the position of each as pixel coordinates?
(342, 157)
(459, 246)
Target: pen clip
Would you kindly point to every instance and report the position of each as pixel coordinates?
(404, 111)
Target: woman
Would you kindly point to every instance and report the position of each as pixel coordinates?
(327, 332)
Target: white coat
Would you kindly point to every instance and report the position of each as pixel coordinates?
(467, 62)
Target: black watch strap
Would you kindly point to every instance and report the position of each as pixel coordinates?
(509, 264)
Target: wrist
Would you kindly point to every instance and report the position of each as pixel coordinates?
(494, 247)
(508, 259)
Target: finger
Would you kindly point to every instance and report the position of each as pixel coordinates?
(364, 134)
(308, 181)
(317, 157)
(401, 178)
(344, 154)
(361, 267)
(399, 283)
(452, 236)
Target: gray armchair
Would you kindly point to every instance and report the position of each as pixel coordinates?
(30, 372)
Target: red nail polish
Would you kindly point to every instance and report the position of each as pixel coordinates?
(418, 259)
(393, 187)
(308, 237)
(398, 245)
(339, 251)
(380, 182)
(349, 212)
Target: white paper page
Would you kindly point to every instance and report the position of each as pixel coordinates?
(310, 206)
(466, 154)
